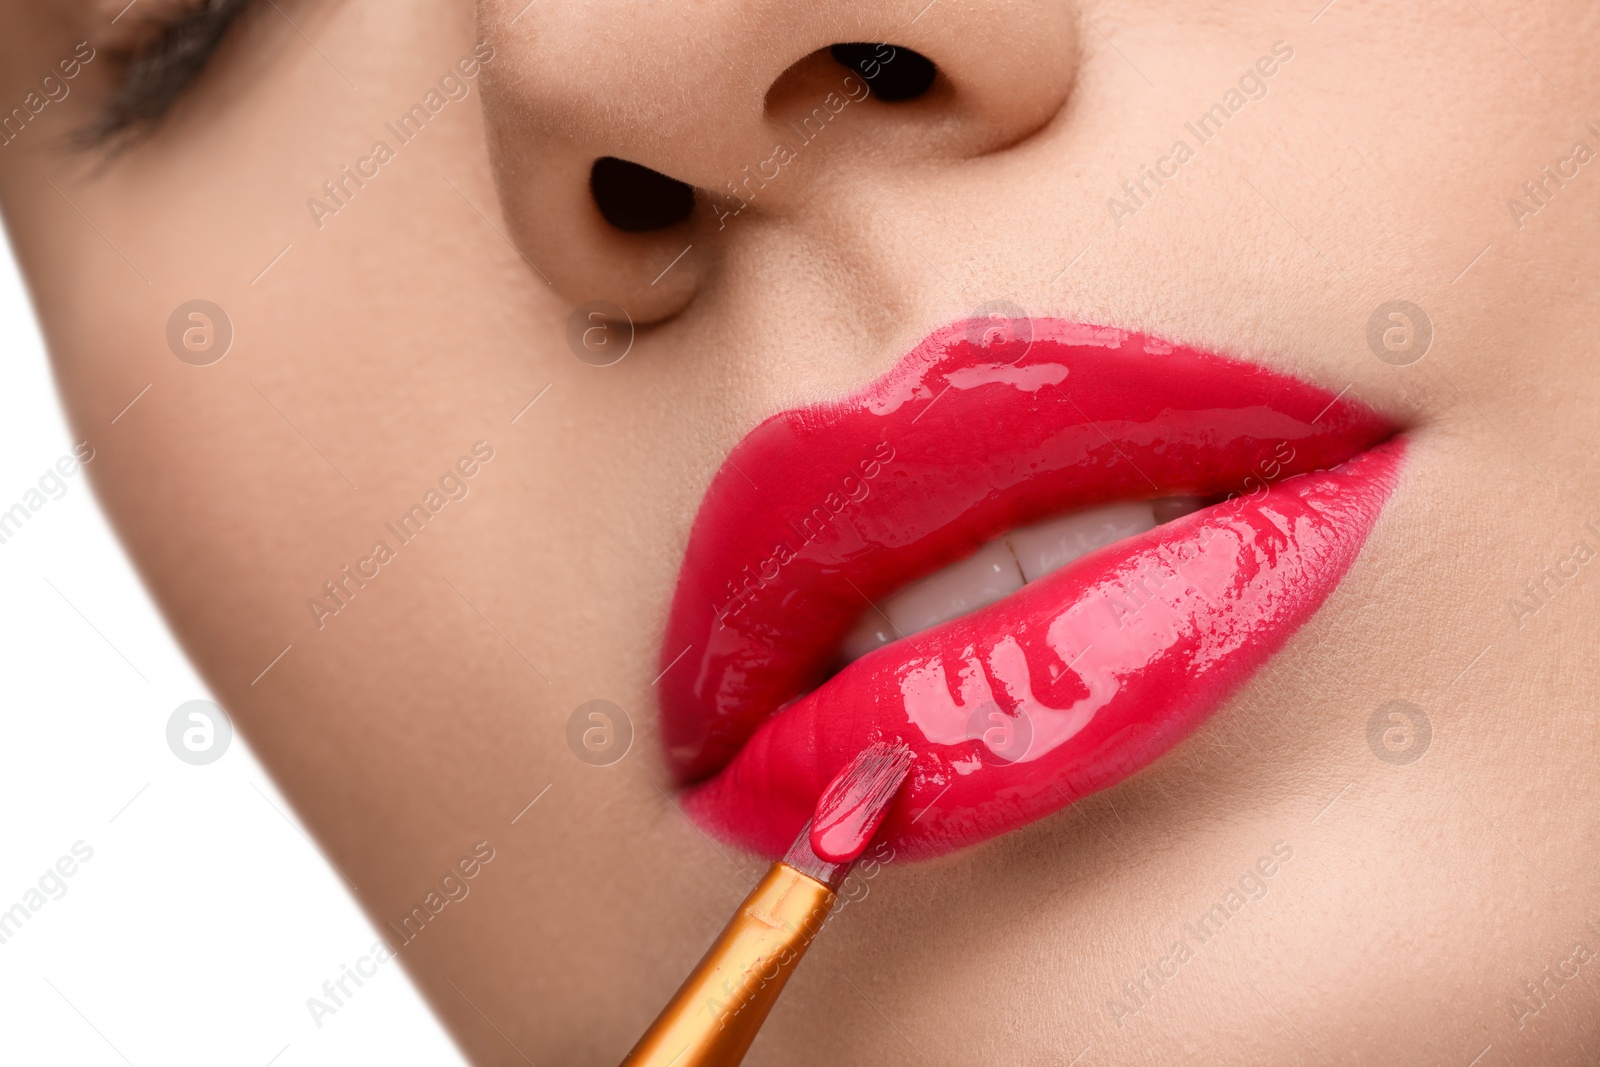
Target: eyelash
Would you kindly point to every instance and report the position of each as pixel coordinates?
(157, 74)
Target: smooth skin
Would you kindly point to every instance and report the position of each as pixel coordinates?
(433, 307)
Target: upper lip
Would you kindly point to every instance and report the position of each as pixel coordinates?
(821, 510)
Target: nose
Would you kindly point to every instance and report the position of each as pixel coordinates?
(626, 135)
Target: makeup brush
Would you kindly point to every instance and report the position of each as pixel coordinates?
(716, 1013)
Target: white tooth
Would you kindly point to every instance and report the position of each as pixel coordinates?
(1051, 545)
(1167, 508)
(1002, 567)
(870, 633)
(975, 582)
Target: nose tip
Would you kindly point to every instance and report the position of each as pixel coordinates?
(625, 136)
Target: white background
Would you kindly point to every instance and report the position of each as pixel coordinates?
(205, 918)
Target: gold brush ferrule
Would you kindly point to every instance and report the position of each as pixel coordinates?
(721, 1005)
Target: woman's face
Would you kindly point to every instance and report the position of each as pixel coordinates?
(389, 209)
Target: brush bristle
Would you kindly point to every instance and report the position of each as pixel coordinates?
(862, 792)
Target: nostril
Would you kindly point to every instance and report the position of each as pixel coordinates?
(637, 199)
(894, 72)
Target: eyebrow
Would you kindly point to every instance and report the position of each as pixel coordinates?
(158, 73)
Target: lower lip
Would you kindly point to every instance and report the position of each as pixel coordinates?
(1069, 685)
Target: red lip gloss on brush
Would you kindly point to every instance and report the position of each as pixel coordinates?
(720, 1007)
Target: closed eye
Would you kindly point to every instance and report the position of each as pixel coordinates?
(159, 71)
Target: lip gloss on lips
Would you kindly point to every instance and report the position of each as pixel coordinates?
(1066, 685)
(1069, 685)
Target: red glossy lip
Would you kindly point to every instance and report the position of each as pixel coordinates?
(1066, 686)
